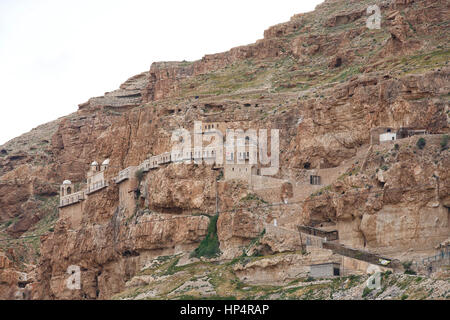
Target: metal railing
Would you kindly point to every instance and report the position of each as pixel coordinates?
(328, 235)
(311, 241)
(444, 254)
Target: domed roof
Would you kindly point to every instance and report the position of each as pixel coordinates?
(105, 163)
(66, 182)
(95, 163)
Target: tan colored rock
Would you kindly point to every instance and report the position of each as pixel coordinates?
(315, 78)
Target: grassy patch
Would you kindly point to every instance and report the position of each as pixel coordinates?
(172, 269)
(209, 247)
(444, 141)
(366, 292)
(253, 197)
(322, 191)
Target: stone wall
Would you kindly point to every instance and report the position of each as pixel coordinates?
(73, 214)
(127, 195)
(244, 172)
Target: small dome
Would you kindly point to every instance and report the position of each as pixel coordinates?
(95, 163)
(67, 182)
(105, 163)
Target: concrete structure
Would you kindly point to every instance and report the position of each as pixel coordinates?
(68, 196)
(73, 214)
(243, 172)
(403, 133)
(125, 174)
(211, 126)
(243, 150)
(96, 178)
(71, 199)
(325, 270)
(66, 188)
(388, 136)
(71, 202)
(128, 184)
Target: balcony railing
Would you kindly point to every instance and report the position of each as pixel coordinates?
(71, 199)
(123, 175)
(145, 166)
(96, 186)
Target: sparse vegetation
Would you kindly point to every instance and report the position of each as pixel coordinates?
(407, 266)
(421, 143)
(444, 141)
(172, 269)
(209, 247)
(253, 197)
(223, 283)
(366, 292)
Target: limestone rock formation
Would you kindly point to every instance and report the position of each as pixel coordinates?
(327, 82)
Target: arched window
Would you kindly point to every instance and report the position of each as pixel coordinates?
(69, 190)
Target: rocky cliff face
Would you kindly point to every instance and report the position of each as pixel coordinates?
(323, 78)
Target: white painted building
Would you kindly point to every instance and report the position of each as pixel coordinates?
(388, 136)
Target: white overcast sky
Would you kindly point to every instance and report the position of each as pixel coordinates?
(56, 54)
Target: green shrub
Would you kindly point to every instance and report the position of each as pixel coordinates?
(253, 197)
(172, 269)
(209, 247)
(366, 292)
(444, 141)
(421, 143)
(407, 266)
(397, 146)
(410, 272)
